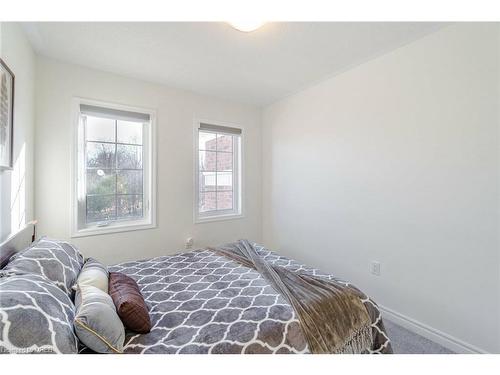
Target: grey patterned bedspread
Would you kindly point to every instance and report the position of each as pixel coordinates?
(201, 302)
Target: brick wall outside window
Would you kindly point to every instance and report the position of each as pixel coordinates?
(218, 163)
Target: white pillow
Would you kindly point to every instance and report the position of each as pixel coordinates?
(95, 274)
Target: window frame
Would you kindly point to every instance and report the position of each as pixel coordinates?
(238, 182)
(78, 189)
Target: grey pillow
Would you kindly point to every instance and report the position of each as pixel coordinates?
(58, 261)
(35, 316)
(96, 323)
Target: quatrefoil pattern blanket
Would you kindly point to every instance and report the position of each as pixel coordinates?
(201, 302)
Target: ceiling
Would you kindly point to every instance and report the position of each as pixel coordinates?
(214, 59)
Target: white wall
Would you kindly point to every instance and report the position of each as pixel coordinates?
(397, 160)
(16, 186)
(58, 83)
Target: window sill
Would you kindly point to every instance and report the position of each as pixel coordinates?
(95, 231)
(210, 219)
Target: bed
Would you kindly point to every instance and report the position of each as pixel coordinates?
(203, 302)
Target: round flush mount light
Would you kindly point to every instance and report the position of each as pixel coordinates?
(246, 26)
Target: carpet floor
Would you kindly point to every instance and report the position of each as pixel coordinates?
(406, 342)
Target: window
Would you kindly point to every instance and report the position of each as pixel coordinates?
(218, 178)
(114, 179)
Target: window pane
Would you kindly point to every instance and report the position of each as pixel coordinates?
(224, 161)
(224, 181)
(130, 206)
(129, 182)
(129, 157)
(207, 181)
(207, 160)
(129, 132)
(101, 208)
(224, 142)
(207, 202)
(100, 181)
(225, 200)
(100, 155)
(100, 129)
(207, 141)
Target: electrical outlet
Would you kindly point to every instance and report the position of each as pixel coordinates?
(189, 243)
(375, 268)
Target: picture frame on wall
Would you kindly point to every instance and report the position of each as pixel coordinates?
(6, 116)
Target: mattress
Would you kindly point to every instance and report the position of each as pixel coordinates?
(202, 302)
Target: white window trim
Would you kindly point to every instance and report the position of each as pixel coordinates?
(239, 212)
(148, 222)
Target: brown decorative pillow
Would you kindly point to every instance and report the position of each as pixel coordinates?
(129, 302)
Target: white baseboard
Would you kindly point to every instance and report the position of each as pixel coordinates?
(448, 341)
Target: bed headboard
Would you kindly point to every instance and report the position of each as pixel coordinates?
(17, 242)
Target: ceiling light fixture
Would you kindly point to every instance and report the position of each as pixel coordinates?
(246, 26)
